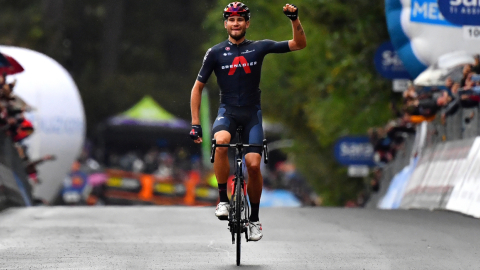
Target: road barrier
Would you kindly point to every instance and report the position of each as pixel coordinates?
(124, 187)
(14, 187)
(443, 171)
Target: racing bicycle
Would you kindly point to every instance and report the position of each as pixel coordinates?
(239, 207)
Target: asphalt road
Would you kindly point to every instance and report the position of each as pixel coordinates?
(192, 238)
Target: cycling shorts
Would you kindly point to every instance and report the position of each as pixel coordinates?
(250, 117)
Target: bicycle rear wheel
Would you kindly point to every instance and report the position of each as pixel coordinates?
(238, 217)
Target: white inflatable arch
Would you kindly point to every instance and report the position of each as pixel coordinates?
(58, 116)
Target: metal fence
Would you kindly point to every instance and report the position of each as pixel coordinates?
(463, 125)
(14, 187)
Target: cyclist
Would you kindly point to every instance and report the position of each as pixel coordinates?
(237, 64)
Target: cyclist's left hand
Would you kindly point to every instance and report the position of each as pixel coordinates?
(291, 11)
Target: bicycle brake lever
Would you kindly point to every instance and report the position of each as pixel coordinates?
(212, 155)
(265, 151)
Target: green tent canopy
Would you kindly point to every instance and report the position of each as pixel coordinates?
(147, 112)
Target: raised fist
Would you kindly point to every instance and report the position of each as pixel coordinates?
(291, 11)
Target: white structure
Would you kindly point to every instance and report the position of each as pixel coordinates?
(421, 35)
(430, 34)
(448, 65)
(58, 118)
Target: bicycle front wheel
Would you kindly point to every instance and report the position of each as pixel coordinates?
(238, 217)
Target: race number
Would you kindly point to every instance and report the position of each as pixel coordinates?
(471, 32)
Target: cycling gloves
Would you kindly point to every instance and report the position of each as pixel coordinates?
(196, 132)
(291, 15)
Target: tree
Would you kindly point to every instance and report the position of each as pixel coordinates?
(325, 91)
(116, 51)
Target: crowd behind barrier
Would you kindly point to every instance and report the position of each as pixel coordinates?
(165, 177)
(435, 167)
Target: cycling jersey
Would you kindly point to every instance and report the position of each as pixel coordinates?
(238, 69)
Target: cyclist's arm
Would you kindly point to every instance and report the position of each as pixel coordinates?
(196, 96)
(299, 40)
(195, 101)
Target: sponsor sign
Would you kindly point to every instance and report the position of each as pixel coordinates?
(471, 32)
(388, 64)
(358, 170)
(354, 151)
(400, 85)
(427, 12)
(124, 183)
(169, 189)
(206, 193)
(460, 12)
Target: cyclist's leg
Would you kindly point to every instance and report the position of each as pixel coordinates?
(223, 128)
(253, 134)
(221, 165)
(255, 182)
(254, 188)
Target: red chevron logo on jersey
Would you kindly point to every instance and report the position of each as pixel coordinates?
(239, 61)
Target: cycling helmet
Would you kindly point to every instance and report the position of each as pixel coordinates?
(236, 9)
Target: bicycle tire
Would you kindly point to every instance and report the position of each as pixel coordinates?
(238, 217)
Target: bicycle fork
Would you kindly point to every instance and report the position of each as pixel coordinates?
(243, 209)
(232, 223)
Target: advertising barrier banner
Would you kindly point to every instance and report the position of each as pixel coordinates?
(393, 197)
(138, 188)
(436, 175)
(447, 175)
(462, 192)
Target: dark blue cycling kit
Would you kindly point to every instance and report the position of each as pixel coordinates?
(238, 71)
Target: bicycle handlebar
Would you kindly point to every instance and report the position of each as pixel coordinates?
(234, 145)
(239, 145)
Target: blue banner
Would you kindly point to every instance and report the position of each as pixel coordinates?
(388, 64)
(427, 11)
(461, 12)
(354, 151)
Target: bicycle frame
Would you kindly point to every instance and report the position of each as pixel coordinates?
(236, 222)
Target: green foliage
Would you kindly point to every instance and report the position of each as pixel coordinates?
(158, 49)
(329, 89)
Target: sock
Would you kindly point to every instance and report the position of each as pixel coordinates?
(222, 191)
(254, 214)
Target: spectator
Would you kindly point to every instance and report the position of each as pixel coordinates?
(449, 84)
(31, 168)
(3, 79)
(476, 66)
(165, 169)
(428, 107)
(151, 160)
(467, 69)
(24, 130)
